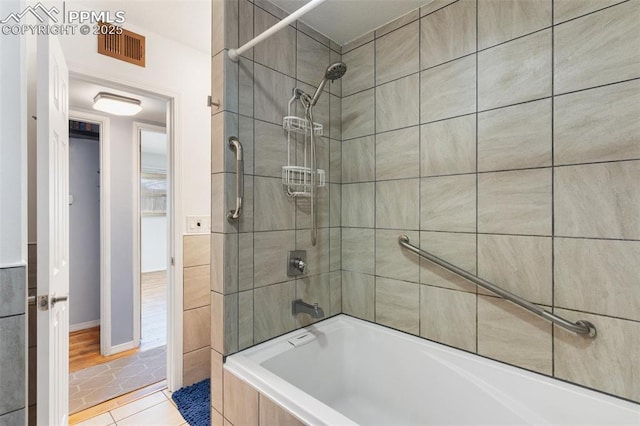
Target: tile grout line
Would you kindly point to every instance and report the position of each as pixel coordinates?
(477, 54)
(553, 228)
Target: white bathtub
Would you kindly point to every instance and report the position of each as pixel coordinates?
(345, 371)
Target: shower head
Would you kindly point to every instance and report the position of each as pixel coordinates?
(334, 72)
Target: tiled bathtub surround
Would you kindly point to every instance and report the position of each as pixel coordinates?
(503, 137)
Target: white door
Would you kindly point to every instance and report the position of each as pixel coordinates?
(53, 232)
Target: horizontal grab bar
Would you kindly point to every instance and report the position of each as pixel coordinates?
(582, 327)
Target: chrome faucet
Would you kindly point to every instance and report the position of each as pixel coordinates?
(300, 307)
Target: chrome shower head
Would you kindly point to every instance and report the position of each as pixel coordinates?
(334, 72)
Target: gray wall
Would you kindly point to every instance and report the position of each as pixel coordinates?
(84, 234)
(503, 137)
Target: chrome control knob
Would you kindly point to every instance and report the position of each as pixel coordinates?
(299, 264)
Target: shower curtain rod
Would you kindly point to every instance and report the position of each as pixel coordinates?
(234, 54)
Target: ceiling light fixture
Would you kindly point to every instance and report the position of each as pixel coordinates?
(116, 104)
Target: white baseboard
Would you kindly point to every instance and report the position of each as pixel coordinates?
(83, 325)
(122, 347)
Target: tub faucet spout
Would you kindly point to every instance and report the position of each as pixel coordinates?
(300, 307)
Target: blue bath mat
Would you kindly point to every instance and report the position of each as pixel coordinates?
(194, 403)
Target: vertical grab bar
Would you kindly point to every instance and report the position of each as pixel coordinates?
(235, 145)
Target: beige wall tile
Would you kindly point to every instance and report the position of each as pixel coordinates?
(448, 33)
(358, 246)
(515, 137)
(196, 286)
(456, 248)
(217, 321)
(273, 414)
(448, 203)
(611, 55)
(360, 70)
(270, 256)
(508, 333)
(392, 261)
(217, 368)
(272, 310)
(598, 276)
(607, 363)
(598, 125)
(240, 401)
(196, 366)
(398, 304)
(514, 72)
(358, 295)
(397, 53)
(521, 265)
(279, 51)
(397, 204)
(312, 60)
(569, 9)
(448, 90)
(216, 418)
(357, 115)
(448, 316)
(517, 202)
(397, 154)
(598, 200)
(196, 330)
(359, 160)
(196, 250)
(449, 146)
(500, 21)
(274, 210)
(358, 204)
(397, 105)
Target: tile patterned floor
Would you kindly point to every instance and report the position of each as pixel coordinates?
(102, 382)
(157, 409)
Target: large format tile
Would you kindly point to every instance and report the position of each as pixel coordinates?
(196, 250)
(245, 319)
(353, 44)
(358, 160)
(517, 202)
(273, 414)
(357, 115)
(514, 72)
(569, 9)
(598, 49)
(392, 261)
(245, 258)
(521, 265)
(272, 310)
(358, 205)
(270, 149)
(397, 104)
(13, 282)
(448, 146)
(358, 295)
(397, 53)
(500, 21)
(360, 70)
(448, 316)
(318, 255)
(278, 51)
(196, 329)
(448, 203)
(397, 154)
(598, 200)
(607, 363)
(12, 363)
(335, 205)
(598, 125)
(448, 90)
(598, 276)
(313, 58)
(196, 366)
(398, 204)
(434, 6)
(398, 304)
(270, 256)
(398, 23)
(448, 33)
(313, 289)
(240, 401)
(456, 248)
(274, 210)
(272, 91)
(515, 137)
(335, 249)
(138, 405)
(335, 119)
(335, 161)
(163, 414)
(224, 258)
(358, 249)
(510, 334)
(197, 284)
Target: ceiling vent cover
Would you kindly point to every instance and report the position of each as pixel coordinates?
(126, 46)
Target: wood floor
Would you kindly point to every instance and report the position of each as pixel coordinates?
(84, 345)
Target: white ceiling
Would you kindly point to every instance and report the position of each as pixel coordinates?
(345, 20)
(81, 94)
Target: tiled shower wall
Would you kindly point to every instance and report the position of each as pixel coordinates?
(502, 136)
(251, 294)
